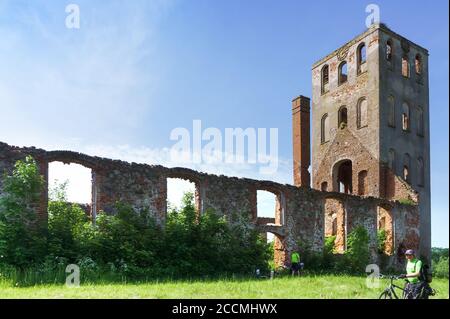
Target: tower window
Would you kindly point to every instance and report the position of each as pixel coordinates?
(343, 74)
(325, 78)
(361, 58)
(324, 129)
(342, 118)
(405, 116)
(391, 111)
(324, 187)
(362, 113)
(389, 50)
(405, 66)
(418, 64)
(406, 173)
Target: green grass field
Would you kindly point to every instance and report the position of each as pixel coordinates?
(316, 287)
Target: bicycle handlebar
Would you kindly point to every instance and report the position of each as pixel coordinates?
(381, 276)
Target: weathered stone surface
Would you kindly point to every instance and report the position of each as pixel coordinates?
(301, 215)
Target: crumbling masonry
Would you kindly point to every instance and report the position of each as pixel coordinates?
(356, 181)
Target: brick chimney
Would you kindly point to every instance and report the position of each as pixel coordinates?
(301, 140)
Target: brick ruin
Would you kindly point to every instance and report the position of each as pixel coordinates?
(366, 132)
(301, 216)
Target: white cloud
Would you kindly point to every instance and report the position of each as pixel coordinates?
(81, 82)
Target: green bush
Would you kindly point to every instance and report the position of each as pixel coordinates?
(381, 241)
(329, 244)
(327, 254)
(438, 253)
(130, 243)
(65, 222)
(357, 254)
(440, 269)
(22, 234)
(207, 244)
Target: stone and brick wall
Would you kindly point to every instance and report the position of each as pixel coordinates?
(301, 211)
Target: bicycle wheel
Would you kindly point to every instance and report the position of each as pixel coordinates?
(385, 295)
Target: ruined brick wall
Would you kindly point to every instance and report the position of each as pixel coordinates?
(395, 188)
(301, 211)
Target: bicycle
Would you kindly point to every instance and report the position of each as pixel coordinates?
(277, 272)
(389, 292)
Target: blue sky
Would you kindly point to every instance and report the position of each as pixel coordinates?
(137, 69)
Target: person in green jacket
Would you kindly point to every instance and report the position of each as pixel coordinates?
(295, 263)
(415, 286)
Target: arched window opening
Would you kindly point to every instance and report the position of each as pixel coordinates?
(391, 111)
(324, 186)
(405, 116)
(325, 78)
(269, 210)
(266, 203)
(418, 64)
(389, 50)
(325, 129)
(362, 113)
(405, 66)
(362, 183)
(180, 191)
(76, 182)
(342, 117)
(343, 73)
(361, 58)
(406, 176)
(342, 172)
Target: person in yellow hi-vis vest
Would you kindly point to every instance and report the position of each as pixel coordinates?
(295, 263)
(417, 286)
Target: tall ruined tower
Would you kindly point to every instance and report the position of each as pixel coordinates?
(370, 122)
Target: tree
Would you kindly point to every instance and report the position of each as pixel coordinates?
(22, 234)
